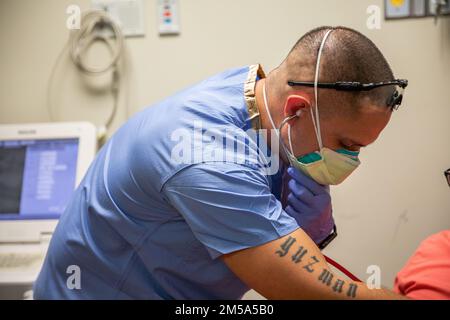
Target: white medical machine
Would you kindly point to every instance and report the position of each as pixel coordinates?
(40, 166)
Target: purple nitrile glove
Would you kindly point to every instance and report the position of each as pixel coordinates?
(309, 203)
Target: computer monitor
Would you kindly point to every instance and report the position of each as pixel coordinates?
(37, 177)
(40, 166)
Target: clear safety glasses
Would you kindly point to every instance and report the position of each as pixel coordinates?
(393, 102)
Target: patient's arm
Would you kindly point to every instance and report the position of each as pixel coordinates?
(292, 267)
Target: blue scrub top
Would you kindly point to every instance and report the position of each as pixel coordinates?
(143, 226)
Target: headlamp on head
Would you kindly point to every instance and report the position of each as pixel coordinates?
(393, 101)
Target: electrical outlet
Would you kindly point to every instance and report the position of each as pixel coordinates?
(129, 14)
(168, 17)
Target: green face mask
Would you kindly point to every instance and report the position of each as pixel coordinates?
(315, 156)
(326, 166)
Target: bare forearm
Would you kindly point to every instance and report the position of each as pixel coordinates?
(294, 268)
(313, 262)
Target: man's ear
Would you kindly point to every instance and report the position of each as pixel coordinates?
(295, 104)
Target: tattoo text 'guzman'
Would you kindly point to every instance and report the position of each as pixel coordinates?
(308, 263)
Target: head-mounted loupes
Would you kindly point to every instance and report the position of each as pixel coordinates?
(393, 102)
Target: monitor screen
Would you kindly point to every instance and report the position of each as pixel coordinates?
(37, 177)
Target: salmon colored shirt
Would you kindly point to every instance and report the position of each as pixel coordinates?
(426, 275)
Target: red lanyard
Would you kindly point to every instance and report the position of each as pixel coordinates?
(342, 269)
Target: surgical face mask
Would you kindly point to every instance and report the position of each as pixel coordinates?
(326, 166)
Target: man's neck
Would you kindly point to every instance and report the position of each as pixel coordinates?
(263, 109)
(263, 115)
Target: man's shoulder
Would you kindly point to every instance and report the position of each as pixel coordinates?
(218, 174)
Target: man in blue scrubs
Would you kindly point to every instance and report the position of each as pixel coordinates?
(167, 211)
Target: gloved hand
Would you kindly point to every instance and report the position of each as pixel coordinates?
(309, 203)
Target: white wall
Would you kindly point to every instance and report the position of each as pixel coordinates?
(396, 198)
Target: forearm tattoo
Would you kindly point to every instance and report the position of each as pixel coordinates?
(299, 255)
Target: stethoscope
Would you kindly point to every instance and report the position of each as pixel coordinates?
(328, 259)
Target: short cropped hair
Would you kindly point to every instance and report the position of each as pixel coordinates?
(347, 55)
